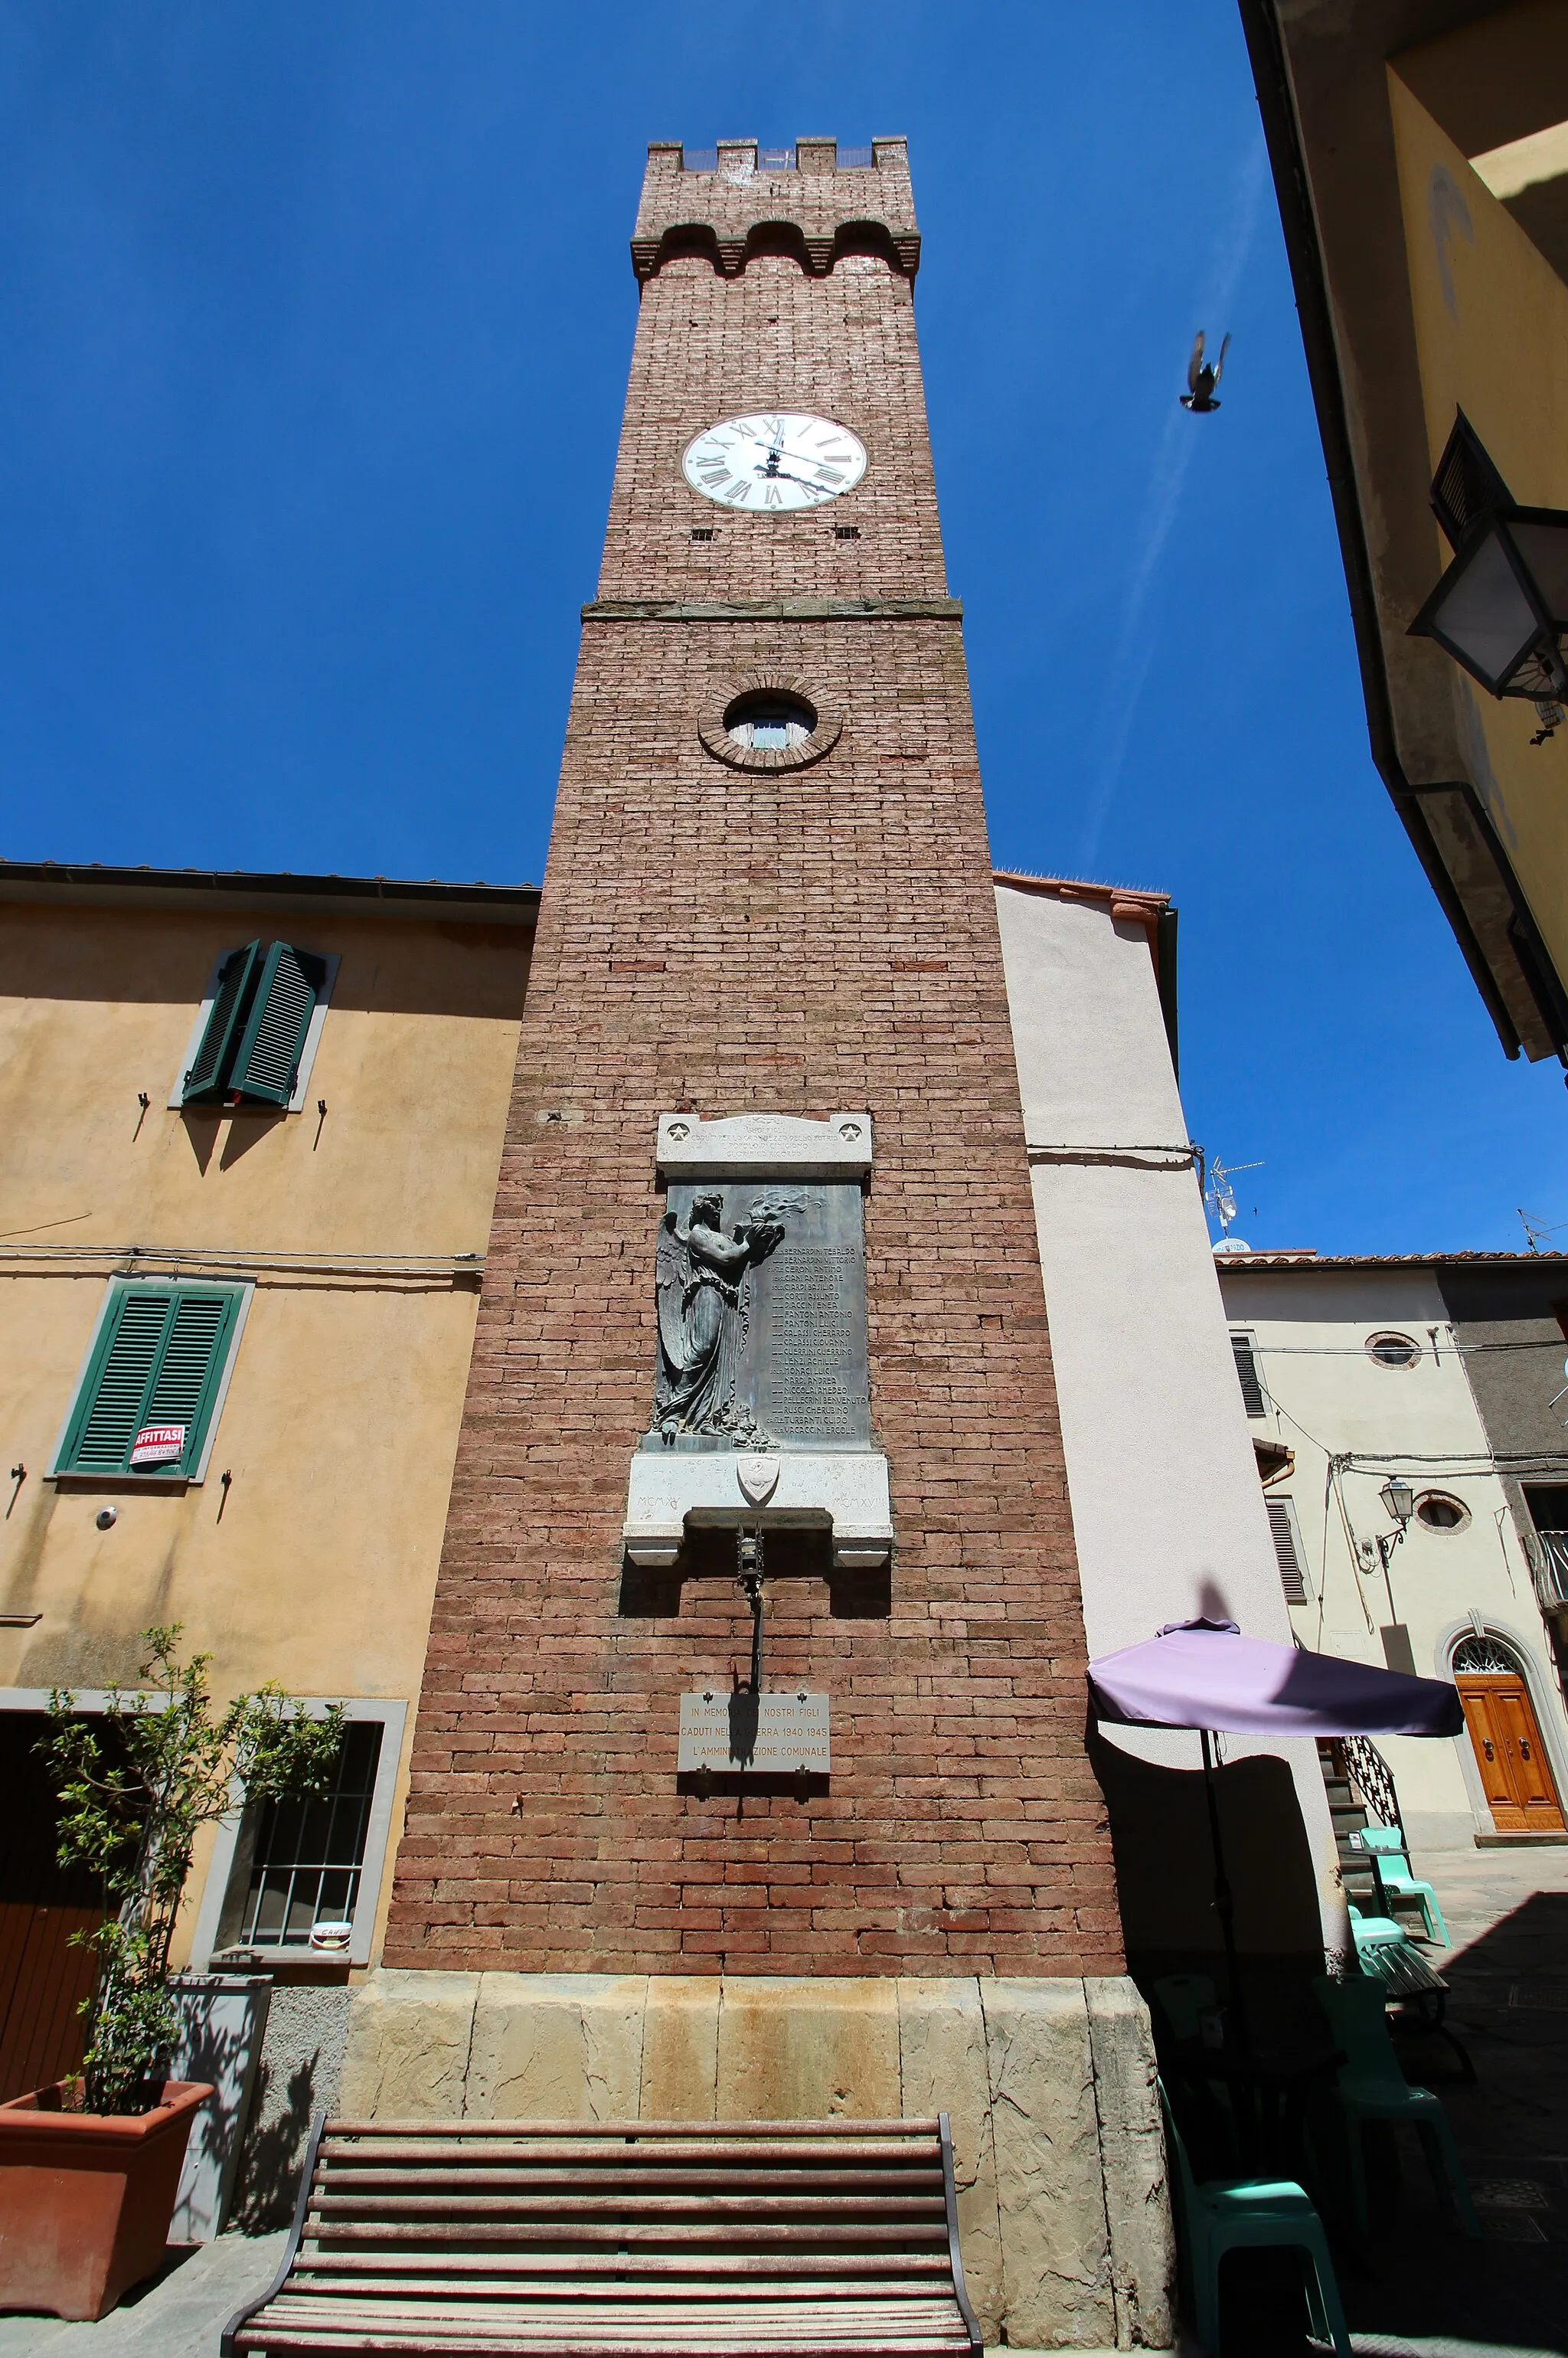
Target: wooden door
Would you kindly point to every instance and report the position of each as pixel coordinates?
(1509, 1754)
(44, 1977)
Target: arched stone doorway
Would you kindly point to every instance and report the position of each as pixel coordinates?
(1505, 1736)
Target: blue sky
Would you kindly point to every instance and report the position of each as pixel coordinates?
(317, 322)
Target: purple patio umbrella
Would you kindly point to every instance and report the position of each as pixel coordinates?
(1206, 1675)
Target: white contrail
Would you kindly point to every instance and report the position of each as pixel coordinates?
(1134, 649)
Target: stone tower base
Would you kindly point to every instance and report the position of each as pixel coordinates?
(1049, 2085)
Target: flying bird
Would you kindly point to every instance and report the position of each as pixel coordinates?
(1202, 379)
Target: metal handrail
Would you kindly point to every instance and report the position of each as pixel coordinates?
(1549, 1562)
(1374, 1780)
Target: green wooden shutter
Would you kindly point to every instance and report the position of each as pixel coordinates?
(1247, 1374)
(191, 1366)
(109, 1409)
(207, 1076)
(267, 1062)
(159, 1360)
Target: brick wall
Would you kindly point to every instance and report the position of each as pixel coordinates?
(710, 347)
(793, 942)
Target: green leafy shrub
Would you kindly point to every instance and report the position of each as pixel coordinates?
(135, 1786)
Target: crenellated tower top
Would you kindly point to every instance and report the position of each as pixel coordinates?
(815, 201)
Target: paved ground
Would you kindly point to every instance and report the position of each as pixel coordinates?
(180, 2314)
(1420, 2287)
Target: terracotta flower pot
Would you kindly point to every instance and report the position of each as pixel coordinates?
(86, 2198)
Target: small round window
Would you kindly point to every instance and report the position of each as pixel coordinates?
(769, 724)
(1439, 1513)
(1392, 1350)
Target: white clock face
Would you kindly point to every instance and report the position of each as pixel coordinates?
(777, 461)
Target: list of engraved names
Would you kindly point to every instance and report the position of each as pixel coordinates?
(814, 1297)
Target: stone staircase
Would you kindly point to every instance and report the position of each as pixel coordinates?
(1349, 1814)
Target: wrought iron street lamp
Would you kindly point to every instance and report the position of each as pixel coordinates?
(1400, 1500)
(1398, 1503)
(1501, 608)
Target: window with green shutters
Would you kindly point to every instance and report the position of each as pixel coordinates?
(146, 1402)
(255, 1035)
(1245, 1348)
(207, 1074)
(1288, 1550)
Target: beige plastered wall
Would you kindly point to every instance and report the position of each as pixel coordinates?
(317, 1565)
(1144, 1369)
(1326, 1397)
(1491, 328)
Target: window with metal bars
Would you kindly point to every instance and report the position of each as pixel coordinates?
(1287, 1540)
(154, 1374)
(1245, 1346)
(306, 1866)
(259, 1012)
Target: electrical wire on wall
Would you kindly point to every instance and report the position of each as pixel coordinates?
(1335, 1467)
(1323, 1558)
(1459, 1466)
(1336, 1475)
(1502, 1514)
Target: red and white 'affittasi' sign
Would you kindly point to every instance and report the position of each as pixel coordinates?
(158, 1444)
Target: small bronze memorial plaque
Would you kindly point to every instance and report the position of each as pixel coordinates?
(781, 1734)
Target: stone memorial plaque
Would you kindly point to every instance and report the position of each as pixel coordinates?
(780, 1734)
(761, 1303)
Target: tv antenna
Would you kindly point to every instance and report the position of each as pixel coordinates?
(1535, 1235)
(1219, 1194)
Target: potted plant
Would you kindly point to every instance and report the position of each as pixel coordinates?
(90, 2167)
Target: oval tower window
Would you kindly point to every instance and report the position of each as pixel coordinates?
(763, 722)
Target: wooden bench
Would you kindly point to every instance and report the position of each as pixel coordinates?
(564, 2239)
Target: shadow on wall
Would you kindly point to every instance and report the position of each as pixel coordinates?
(301, 2064)
(1164, 1864)
(274, 2156)
(709, 1554)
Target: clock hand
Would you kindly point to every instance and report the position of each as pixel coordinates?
(778, 475)
(804, 457)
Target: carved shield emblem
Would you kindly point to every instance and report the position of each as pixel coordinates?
(759, 1478)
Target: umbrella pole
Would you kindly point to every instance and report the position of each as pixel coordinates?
(1224, 1907)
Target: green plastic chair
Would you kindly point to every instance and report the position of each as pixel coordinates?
(1369, 1930)
(1371, 2087)
(1227, 2214)
(1387, 1844)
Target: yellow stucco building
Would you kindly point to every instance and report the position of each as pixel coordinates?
(252, 1127)
(1420, 151)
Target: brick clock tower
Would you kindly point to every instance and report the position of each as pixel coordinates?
(762, 1298)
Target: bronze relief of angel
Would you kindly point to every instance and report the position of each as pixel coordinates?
(702, 1278)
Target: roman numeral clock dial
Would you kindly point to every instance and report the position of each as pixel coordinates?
(780, 459)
